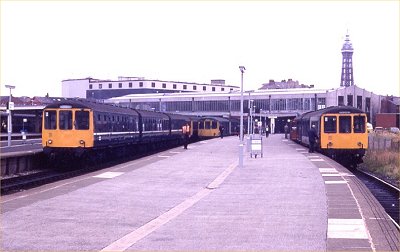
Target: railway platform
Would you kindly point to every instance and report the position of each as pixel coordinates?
(199, 199)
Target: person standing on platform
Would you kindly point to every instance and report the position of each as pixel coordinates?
(286, 129)
(186, 135)
(221, 131)
(266, 131)
(312, 136)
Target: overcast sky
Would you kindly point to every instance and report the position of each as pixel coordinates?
(43, 43)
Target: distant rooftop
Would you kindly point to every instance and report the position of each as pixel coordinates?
(284, 85)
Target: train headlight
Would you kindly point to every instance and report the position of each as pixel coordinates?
(50, 141)
(359, 144)
(330, 144)
(82, 142)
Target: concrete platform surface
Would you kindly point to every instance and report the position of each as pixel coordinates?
(199, 199)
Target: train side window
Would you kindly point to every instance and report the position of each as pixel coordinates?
(344, 124)
(201, 125)
(65, 120)
(82, 120)
(330, 124)
(359, 124)
(50, 119)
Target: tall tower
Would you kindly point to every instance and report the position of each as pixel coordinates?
(347, 63)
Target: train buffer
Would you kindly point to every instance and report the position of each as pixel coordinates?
(256, 145)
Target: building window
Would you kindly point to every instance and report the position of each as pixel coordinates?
(120, 85)
(359, 102)
(213, 89)
(140, 84)
(194, 87)
(130, 84)
(164, 85)
(349, 100)
(222, 89)
(321, 103)
(367, 104)
(100, 86)
(153, 84)
(184, 86)
(90, 86)
(174, 86)
(204, 88)
(341, 100)
(109, 85)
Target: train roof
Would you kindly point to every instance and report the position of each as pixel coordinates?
(333, 110)
(220, 119)
(182, 117)
(99, 107)
(147, 113)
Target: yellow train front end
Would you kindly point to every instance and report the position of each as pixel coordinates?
(208, 128)
(68, 130)
(344, 134)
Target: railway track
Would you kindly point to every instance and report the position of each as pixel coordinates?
(24, 182)
(385, 193)
(50, 175)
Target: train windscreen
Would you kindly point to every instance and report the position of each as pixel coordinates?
(344, 124)
(65, 120)
(329, 124)
(50, 119)
(359, 124)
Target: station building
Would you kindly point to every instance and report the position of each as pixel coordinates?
(273, 106)
(91, 88)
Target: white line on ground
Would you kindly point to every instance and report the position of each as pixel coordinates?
(335, 182)
(128, 240)
(108, 175)
(346, 229)
(330, 175)
(327, 170)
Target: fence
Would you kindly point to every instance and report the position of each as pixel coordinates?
(377, 142)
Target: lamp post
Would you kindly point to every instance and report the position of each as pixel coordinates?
(9, 119)
(242, 68)
(248, 117)
(253, 113)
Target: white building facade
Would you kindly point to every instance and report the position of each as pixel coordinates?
(91, 88)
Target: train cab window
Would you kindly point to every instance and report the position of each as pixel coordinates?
(344, 124)
(214, 124)
(82, 120)
(207, 125)
(359, 124)
(65, 120)
(329, 124)
(50, 119)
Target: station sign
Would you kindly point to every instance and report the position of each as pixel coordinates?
(10, 105)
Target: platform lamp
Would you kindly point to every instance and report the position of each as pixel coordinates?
(9, 119)
(242, 68)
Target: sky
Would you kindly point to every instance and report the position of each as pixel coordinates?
(45, 42)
